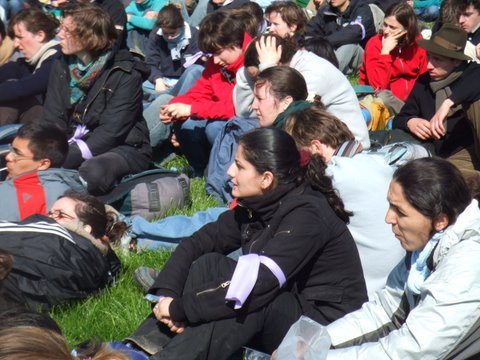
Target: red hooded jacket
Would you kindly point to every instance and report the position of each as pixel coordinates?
(212, 95)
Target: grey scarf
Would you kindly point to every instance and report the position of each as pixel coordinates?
(442, 91)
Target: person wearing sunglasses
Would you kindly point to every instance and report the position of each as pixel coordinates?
(35, 178)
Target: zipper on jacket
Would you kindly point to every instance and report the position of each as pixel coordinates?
(99, 90)
(221, 286)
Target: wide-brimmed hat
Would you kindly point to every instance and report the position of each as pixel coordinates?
(449, 41)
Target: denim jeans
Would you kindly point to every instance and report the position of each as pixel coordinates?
(11, 7)
(428, 14)
(199, 13)
(166, 233)
(159, 131)
(196, 138)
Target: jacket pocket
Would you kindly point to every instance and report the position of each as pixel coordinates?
(324, 294)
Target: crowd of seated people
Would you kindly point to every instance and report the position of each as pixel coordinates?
(258, 98)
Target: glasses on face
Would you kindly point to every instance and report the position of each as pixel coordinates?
(67, 32)
(16, 156)
(59, 214)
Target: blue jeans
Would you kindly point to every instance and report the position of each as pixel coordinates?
(11, 7)
(199, 13)
(196, 138)
(160, 132)
(166, 233)
(428, 14)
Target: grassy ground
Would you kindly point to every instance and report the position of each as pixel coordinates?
(116, 312)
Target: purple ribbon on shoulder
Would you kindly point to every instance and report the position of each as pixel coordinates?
(246, 274)
(359, 23)
(193, 59)
(80, 132)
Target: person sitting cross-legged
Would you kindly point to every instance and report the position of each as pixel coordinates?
(95, 95)
(200, 114)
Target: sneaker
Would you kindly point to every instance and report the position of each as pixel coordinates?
(145, 277)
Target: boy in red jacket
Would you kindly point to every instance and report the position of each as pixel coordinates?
(200, 114)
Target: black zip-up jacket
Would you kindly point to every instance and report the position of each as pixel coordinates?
(298, 230)
(339, 29)
(53, 265)
(111, 110)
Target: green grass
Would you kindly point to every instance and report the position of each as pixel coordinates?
(116, 312)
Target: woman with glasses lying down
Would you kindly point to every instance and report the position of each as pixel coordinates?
(63, 256)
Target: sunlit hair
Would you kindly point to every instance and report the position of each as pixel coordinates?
(434, 187)
(283, 81)
(289, 49)
(35, 20)
(450, 11)
(290, 13)
(91, 211)
(93, 27)
(170, 17)
(271, 149)
(315, 123)
(404, 14)
(218, 30)
(250, 22)
(35, 343)
(32, 343)
(255, 11)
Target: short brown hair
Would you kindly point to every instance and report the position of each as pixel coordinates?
(315, 123)
(170, 17)
(219, 30)
(291, 13)
(35, 20)
(94, 27)
(289, 48)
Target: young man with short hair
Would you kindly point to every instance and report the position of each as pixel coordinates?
(200, 114)
(469, 19)
(35, 178)
(347, 25)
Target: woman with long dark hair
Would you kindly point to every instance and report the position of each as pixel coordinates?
(290, 226)
(430, 305)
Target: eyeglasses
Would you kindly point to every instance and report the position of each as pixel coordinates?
(67, 32)
(59, 214)
(16, 156)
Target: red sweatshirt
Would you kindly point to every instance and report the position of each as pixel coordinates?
(397, 71)
(212, 95)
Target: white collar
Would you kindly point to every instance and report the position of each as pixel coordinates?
(187, 31)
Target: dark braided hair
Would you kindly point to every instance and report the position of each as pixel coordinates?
(315, 175)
